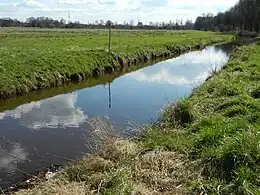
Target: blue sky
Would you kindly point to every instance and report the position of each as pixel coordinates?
(115, 10)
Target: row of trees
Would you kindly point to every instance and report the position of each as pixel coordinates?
(245, 15)
(45, 22)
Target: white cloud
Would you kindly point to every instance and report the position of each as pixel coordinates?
(59, 111)
(32, 3)
(115, 10)
(202, 3)
(71, 1)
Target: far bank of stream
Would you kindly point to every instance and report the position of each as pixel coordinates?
(58, 129)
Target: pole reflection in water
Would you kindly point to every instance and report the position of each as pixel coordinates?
(109, 97)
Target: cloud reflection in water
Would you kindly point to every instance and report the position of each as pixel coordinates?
(9, 158)
(187, 70)
(164, 76)
(59, 111)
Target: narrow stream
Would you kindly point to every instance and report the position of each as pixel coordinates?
(53, 130)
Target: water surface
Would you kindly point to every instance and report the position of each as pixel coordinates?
(56, 129)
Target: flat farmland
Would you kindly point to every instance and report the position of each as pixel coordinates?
(32, 59)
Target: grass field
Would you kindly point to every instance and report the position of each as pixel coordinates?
(32, 59)
(208, 143)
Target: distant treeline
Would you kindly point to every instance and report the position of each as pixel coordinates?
(245, 15)
(45, 22)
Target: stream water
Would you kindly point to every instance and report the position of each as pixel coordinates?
(44, 128)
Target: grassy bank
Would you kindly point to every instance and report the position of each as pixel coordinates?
(206, 144)
(219, 126)
(32, 59)
(15, 101)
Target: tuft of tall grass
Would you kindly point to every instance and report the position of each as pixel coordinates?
(178, 115)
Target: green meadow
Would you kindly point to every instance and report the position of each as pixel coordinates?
(33, 59)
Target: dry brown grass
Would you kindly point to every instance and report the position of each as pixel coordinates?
(121, 167)
(163, 172)
(57, 187)
(118, 150)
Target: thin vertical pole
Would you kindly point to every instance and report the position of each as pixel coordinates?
(109, 37)
(109, 96)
